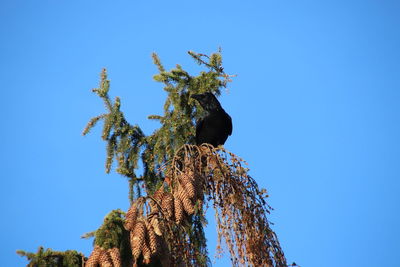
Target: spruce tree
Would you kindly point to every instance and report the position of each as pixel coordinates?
(179, 180)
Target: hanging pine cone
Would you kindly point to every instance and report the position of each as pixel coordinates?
(146, 251)
(138, 236)
(179, 213)
(167, 204)
(105, 259)
(131, 216)
(187, 182)
(94, 258)
(115, 256)
(187, 204)
(153, 240)
(198, 182)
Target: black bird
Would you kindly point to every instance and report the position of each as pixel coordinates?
(216, 126)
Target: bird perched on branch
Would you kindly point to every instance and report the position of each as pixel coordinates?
(216, 126)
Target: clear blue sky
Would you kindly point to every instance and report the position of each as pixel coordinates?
(315, 108)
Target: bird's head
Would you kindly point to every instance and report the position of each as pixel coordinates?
(207, 101)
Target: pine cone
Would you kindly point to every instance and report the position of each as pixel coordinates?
(179, 213)
(158, 195)
(198, 182)
(115, 256)
(94, 258)
(181, 194)
(187, 182)
(131, 216)
(153, 240)
(138, 236)
(105, 259)
(167, 204)
(146, 252)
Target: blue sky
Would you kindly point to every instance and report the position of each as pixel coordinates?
(315, 108)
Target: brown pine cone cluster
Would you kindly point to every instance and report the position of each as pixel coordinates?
(145, 234)
(104, 258)
(176, 206)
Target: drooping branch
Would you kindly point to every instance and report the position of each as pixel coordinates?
(165, 220)
(240, 206)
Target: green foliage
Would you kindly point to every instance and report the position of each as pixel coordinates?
(50, 258)
(180, 112)
(127, 144)
(112, 232)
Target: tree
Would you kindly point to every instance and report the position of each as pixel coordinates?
(164, 225)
